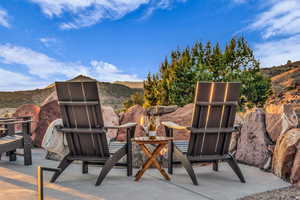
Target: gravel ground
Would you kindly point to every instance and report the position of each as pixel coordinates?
(287, 193)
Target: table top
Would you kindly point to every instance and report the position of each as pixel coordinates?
(147, 140)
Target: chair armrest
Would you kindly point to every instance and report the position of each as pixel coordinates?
(174, 126)
(127, 125)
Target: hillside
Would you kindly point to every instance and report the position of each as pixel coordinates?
(285, 78)
(110, 94)
(131, 84)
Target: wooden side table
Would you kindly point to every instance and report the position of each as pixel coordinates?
(161, 143)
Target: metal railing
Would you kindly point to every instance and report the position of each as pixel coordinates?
(40, 184)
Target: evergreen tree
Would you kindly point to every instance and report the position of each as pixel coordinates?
(175, 82)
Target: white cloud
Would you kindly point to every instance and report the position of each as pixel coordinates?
(15, 81)
(4, 18)
(278, 52)
(283, 18)
(47, 69)
(89, 12)
(278, 22)
(47, 41)
(160, 4)
(108, 72)
(39, 64)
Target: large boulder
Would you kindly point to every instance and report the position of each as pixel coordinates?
(280, 119)
(28, 110)
(49, 112)
(253, 143)
(239, 121)
(161, 110)
(286, 161)
(133, 114)
(183, 117)
(110, 118)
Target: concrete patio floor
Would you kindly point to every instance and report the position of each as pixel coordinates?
(19, 182)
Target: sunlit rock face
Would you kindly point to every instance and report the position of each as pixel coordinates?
(133, 114)
(286, 158)
(110, 118)
(253, 143)
(280, 119)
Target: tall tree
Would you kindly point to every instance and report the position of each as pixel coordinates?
(175, 82)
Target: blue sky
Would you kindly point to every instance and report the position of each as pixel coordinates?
(42, 41)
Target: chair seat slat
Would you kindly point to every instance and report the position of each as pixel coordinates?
(82, 130)
(212, 130)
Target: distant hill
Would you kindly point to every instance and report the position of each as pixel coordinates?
(112, 94)
(284, 77)
(131, 84)
(285, 84)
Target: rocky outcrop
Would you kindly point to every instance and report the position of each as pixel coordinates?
(110, 118)
(161, 110)
(133, 114)
(28, 110)
(49, 112)
(239, 121)
(183, 117)
(280, 119)
(286, 158)
(253, 144)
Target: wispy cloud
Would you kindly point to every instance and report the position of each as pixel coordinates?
(278, 23)
(4, 18)
(277, 52)
(47, 41)
(11, 81)
(283, 18)
(47, 69)
(89, 12)
(108, 72)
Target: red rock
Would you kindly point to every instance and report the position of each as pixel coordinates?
(133, 114)
(280, 119)
(252, 146)
(183, 117)
(49, 112)
(28, 110)
(286, 157)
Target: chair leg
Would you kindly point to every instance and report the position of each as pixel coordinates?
(62, 166)
(170, 157)
(85, 167)
(129, 159)
(109, 164)
(186, 164)
(130, 133)
(12, 155)
(233, 164)
(216, 166)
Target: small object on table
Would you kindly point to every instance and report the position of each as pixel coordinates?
(161, 143)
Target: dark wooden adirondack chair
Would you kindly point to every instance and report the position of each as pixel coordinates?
(10, 140)
(212, 125)
(85, 131)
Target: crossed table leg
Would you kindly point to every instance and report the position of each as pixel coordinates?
(152, 160)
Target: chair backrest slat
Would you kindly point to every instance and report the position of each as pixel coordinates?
(81, 110)
(214, 111)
